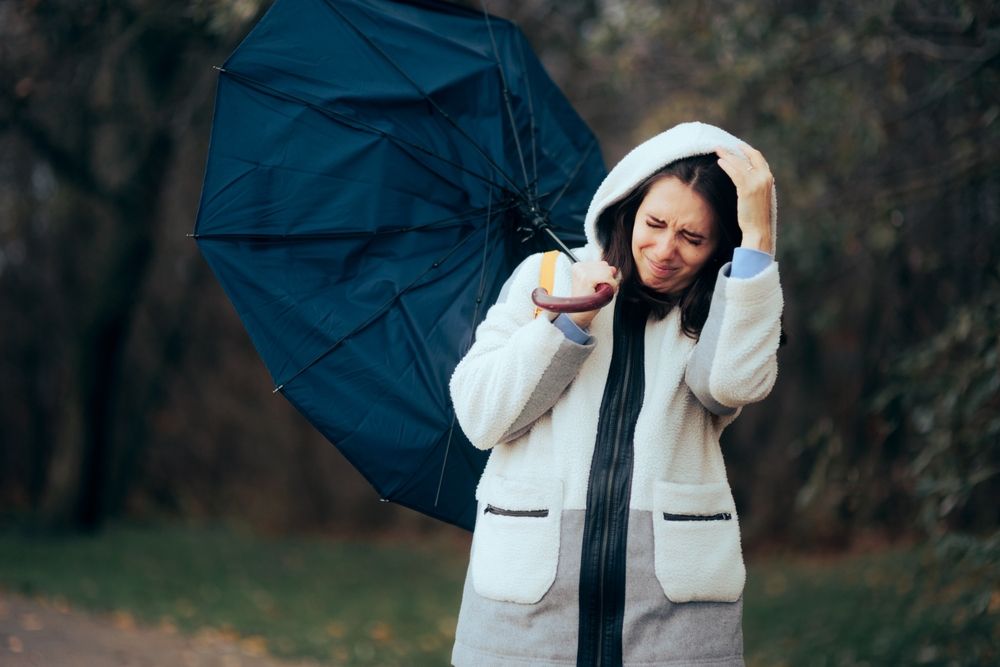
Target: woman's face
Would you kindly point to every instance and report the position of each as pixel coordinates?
(673, 237)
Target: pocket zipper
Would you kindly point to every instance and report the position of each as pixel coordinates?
(721, 516)
(490, 509)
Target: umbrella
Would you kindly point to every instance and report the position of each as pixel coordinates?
(376, 171)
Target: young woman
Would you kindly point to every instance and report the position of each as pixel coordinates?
(607, 533)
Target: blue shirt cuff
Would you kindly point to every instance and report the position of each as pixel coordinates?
(748, 262)
(571, 330)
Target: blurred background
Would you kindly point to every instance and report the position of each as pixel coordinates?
(131, 397)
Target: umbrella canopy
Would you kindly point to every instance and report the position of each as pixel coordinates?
(374, 172)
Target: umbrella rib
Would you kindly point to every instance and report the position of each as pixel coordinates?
(472, 329)
(378, 311)
(506, 93)
(435, 225)
(444, 114)
(353, 122)
(531, 113)
(573, 175)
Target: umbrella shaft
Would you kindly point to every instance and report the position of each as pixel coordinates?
(562, 246)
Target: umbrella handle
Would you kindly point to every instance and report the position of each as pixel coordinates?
(573, 304)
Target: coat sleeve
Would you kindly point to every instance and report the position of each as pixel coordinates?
(517, 368)
(735, 359)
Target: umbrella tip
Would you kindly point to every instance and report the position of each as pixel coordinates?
(217, 68)
(190, 236)
(277, 389)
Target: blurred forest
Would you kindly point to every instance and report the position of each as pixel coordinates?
(129, 387)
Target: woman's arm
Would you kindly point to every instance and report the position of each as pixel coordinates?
(734, 361)
(518, 366)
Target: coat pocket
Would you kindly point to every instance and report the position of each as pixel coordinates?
(515, 548)
(696, 538)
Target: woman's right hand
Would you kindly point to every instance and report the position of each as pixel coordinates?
(586, 277)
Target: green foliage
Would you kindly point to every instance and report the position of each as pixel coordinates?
(907, 607)
(947, 389)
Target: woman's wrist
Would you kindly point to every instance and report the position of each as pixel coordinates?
(758, 241)
(582, 320)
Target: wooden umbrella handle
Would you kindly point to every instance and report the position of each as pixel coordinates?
(573, 304)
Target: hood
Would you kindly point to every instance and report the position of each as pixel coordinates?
(680, 141)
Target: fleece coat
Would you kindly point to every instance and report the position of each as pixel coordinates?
(532, 396)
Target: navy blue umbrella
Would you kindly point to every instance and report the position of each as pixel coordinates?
(376, 171)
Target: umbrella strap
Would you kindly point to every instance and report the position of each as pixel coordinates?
(547, 274)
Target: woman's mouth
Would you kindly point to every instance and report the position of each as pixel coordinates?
(660, 270)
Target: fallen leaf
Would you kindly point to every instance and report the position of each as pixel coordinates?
(254, 646)
(446, 626)
(31, 622)
(381, 632)
(123, 620)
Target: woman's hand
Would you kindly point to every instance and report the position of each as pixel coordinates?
(749, 172)
(586, 277)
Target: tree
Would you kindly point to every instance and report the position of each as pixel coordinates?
(98, 97)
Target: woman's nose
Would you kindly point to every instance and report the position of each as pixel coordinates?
(666, 246)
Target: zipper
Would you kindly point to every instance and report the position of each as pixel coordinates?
(490, 509)
(721, 516)
(602, 574)
(609, 487)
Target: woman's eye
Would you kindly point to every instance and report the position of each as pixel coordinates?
(693, 240)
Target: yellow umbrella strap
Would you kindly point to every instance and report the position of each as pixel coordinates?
(547, 274)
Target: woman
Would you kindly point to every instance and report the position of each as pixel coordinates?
(607, 532)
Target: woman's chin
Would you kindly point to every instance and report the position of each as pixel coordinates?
(667, 286)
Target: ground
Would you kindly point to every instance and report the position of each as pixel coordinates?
(41, 633)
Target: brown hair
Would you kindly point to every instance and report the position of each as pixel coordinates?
(614, 231)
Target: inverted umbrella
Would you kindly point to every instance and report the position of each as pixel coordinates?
(376, 170)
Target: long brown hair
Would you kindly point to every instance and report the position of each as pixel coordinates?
(614, 231)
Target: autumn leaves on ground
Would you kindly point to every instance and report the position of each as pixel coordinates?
(213, 596)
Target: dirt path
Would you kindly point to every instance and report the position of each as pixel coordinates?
(37, 633)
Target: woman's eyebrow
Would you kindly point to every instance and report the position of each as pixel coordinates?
(691, 232)
(683, 228)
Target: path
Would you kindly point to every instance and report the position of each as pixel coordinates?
(38, 633)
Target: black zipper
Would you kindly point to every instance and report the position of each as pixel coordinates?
(721, 516)
(605, 531)
(491, 509)
(609, 488)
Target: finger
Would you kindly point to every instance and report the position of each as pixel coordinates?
(737, 160)
(736, 172)
(756, 158)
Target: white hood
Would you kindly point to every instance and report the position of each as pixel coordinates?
(680, 141)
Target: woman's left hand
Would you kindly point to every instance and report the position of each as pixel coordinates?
(749, 172)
